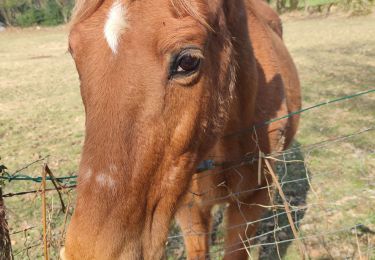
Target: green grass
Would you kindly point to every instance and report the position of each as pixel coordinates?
(319, 2)
(41, 114)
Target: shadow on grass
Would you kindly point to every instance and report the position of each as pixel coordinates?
(294, 178)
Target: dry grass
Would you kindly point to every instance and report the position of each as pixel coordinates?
(41, 114)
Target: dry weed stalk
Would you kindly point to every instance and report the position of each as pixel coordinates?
(44, 212)
(287, 208)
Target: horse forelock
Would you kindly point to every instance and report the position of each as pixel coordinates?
(84, 8)
(197, 10)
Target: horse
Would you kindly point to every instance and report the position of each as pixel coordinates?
(167, 84)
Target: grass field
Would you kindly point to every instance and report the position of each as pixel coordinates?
(41, 114)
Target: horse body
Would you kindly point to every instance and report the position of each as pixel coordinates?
(148, 125)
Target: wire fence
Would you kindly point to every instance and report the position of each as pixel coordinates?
(205, 165)
(284, 227)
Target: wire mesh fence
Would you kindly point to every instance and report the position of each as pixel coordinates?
(318, 215)
(312, 212)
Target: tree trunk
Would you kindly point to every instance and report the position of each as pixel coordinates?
(5, 243)
(4, 15)
(293, 5)
(280, 6)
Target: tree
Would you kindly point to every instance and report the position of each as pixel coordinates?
(33, 12)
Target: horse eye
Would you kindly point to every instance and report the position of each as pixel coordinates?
(188, 63)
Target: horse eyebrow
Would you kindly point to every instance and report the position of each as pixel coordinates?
(181, 37)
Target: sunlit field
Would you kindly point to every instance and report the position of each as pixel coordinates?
(42, 117)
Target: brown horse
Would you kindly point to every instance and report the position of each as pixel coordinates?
(165, 84)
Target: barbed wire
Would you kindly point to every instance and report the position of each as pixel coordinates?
(69, 182)
(282, 241)
(336, 231)
(303, 110)
(9, 195)
(22, 177)
(229, 249)
(246, 160)
(333, 205)
(203, 166)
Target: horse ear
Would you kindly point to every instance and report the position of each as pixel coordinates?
(233, 9)
(83, 9)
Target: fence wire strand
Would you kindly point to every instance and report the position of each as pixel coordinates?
(276, 208)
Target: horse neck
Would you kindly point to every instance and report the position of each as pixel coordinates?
(244, 96)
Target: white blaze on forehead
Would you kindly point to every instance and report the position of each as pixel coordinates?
(115, 24)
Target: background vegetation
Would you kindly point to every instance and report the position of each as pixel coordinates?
(52, 12)
(35, 12)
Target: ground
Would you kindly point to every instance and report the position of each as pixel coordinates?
(41, 114)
